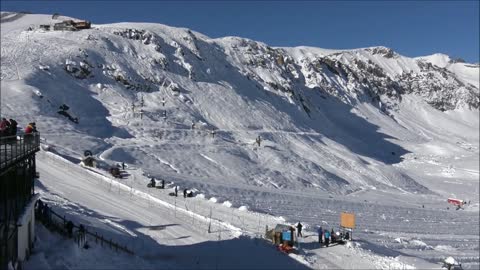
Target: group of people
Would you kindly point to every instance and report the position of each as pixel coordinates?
(8, 127)
(326, 237)
(81, 234)
(43, 212)
(153, 184)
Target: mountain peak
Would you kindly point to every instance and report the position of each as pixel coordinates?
(438, 59)
(382, 50)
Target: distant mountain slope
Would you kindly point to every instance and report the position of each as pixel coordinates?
(332, 121)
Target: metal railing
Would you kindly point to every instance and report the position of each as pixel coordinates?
(14, 149)
(60, 223)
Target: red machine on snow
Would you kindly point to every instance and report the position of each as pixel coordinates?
(458, 203)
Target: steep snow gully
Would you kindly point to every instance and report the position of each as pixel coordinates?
(262, 135)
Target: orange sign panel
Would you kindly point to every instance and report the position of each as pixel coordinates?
(347, 220)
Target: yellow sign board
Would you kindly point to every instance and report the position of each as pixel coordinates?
(347, 220)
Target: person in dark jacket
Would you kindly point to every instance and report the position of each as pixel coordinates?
(152, 182)
(81, 235)
(40, 209)
(46, 214)
(185, 193)
(13, 127)
(299, 228)
(333, 236)
(320, 235)
(69, 227)
(176, 191)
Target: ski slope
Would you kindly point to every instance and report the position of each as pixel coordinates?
(171, 232)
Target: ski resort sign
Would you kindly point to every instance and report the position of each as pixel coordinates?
(347, 220)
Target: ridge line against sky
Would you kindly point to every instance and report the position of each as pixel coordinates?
(412, 28)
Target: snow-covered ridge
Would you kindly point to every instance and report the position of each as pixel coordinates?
(130, 82)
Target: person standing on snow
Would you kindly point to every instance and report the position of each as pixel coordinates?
(152, 182)
(299, 228)
(69, 228)
(320, 235)
(327, 237)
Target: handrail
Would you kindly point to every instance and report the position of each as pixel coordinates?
(15, 148)
(95, 235)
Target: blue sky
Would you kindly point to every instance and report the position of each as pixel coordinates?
(412, 28)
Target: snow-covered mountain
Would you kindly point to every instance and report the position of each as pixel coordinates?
(341, 130)
(327, 118)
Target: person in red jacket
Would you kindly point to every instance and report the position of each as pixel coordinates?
(30, 128)
(4, 127)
